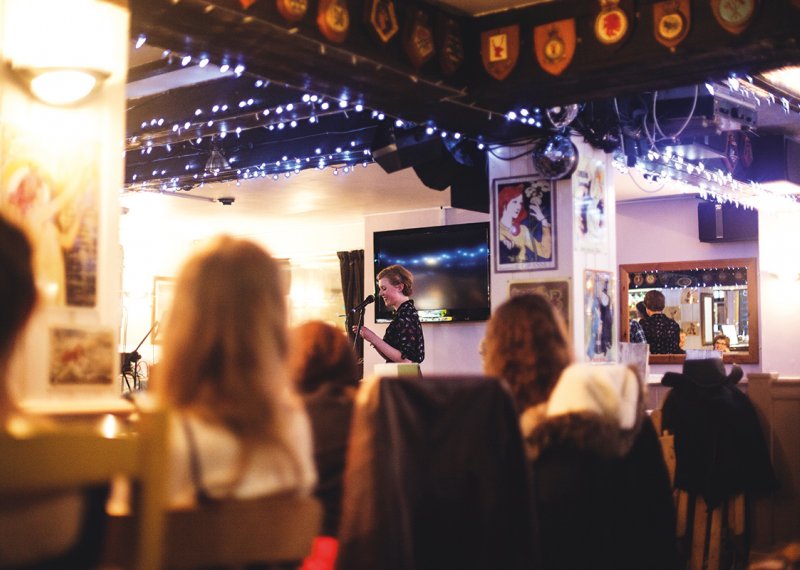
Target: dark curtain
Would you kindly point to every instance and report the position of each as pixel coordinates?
(351, 267)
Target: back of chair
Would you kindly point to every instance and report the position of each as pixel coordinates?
(74, 458)
(234, 533)
(435, 478)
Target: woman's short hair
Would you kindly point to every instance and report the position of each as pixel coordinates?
(654, 300)
(17, 283)
(397, 274)
(321, 354)
(226, 340)
(722, 338)
(527, 345)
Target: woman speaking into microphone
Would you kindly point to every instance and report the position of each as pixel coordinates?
(403, 341)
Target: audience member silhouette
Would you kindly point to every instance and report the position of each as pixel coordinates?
(238, 430)
(601, 492)
(54, 530)
(324, 370)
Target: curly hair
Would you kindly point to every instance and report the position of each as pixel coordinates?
(527, 345)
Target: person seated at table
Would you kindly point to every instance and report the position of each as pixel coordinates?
(54, 529)
(600, 489)
(238, 429)
(722, 343)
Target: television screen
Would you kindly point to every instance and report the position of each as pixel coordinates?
(450, 265)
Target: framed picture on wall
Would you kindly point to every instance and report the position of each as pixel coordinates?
(163, 290)
(599, 315)
(81, 355)
(524, 223)
(557, 290)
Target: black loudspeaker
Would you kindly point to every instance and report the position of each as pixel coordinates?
(469, 184)
(726, 222)
(775, 158)
(395, 149)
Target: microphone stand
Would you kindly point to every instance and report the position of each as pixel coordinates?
(358, 329)
(135, 357)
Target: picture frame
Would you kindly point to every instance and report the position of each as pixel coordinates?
(81, 355)
(599, 303)
(163, 291)
(556, 290)
(525, 233)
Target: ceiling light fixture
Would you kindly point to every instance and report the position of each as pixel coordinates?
(216, 162)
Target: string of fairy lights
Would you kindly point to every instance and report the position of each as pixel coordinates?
(233, 118)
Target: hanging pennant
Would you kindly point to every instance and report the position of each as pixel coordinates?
(382, 19)
(671, 21)
(500, 51)
(451, 47)
(734, 15)
(333, 19)
(611, 24)
(292, 10)
(418, 38)
(554, 44)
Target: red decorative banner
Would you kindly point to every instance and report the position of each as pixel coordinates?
(500, 51)
(671, 22)
(554, 44)
(734, 15)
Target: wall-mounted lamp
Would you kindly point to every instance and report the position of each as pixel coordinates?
(62, 52)
(60, 86)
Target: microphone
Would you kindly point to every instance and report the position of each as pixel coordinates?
(364, 303)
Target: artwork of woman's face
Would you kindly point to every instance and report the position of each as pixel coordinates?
(514, 207)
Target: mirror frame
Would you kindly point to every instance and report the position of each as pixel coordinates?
(750, 263)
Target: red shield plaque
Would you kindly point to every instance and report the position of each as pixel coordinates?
(418, 38)
(333, 19)
(671, 22)
(292, 10)
(451, 47)
(382, 19)
(554, 44)
(734, 15)
(612, 23)
(500, 51)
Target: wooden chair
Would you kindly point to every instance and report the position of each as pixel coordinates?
(65, 458)
(274, 532)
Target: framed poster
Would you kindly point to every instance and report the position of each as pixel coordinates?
(163, 290)
(557, 290)
(599, 315)
(524, 223)
(81, 356)
(57, 204)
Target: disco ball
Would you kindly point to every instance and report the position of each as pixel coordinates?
(562, 116)
(555, 157)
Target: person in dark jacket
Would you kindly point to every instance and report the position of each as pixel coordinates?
(601, 492)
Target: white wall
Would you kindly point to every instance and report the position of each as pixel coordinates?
(779, 291)
(657, 230)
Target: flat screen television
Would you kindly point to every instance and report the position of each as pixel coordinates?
(451, 269)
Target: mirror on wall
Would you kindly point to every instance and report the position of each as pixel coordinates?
(706, 298)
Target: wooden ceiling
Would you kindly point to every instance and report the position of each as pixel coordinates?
(285, 63)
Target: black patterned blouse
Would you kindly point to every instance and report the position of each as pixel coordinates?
(405, 333)
(662, 333)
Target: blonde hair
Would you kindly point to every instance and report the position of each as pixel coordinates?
(397, 274)
(225, 346)
(527, 345)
